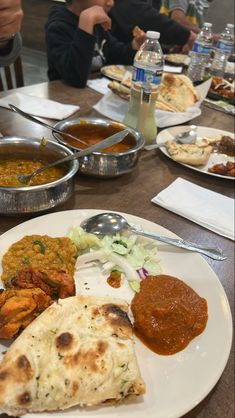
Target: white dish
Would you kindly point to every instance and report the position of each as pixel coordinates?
(175, 384)
(169, 134)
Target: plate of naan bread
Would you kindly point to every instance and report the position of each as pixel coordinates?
(115, 72)
(213, 152)
(70, 307)
(177, 59)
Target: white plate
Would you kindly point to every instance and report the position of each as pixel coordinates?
(169, 134)
(174, 384)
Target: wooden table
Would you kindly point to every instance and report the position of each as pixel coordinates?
(132, 194)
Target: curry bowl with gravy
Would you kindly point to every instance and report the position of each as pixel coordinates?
(21, 155)
(111, 162)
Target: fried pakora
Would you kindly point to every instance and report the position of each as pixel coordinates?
(19, 307)
(56, 284)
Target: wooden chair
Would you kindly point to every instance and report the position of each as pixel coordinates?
(13, 75)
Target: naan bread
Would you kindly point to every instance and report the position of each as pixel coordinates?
(119, 89)
(192, 154)
(178, 91)
(113, 71)
(178, 59)
(78, 352)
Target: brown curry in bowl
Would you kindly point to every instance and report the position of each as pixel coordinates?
(92, 133)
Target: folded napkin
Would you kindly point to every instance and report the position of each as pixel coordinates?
(38, 106)
(99, 84)
(202, 206)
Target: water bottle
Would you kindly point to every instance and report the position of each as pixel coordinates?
(147, 75)
(200, 53)
(223, 50)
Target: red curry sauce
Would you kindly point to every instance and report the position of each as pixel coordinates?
(93, 133)
(168, 314)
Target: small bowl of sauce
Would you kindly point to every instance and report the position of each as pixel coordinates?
(113, 161)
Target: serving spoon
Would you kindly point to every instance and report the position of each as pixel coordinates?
(111, 223)
(46, 125)
(187, 137)
(111, 140)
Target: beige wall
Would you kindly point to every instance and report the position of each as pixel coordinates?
(220, 13)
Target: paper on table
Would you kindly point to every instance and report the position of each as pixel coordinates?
(113, 107)
(39, 106)
(202, 206)
(99, 84)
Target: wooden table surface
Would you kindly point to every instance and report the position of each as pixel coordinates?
(132, 193)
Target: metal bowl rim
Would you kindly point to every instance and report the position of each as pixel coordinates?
(105, 122)
(45, 186)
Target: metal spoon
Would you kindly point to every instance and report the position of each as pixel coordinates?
(113, 139)
(187, 137)
(46, 125)
(111, 223)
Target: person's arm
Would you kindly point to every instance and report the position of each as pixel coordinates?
(117, 52)
(10, 50)
(11, 15)
(178, 12)
(127, 14)
(71, 58)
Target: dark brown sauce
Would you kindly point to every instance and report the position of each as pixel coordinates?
(168, 314)
(92, 134)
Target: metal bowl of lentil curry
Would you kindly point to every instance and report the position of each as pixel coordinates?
(22, 155)
(111, 162)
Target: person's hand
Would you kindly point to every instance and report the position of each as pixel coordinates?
(11, 15)
(139, 40)
(188, 46)
(92, 16)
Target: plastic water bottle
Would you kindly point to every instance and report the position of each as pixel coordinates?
(223, 50)
(147, 75)
(200, 53)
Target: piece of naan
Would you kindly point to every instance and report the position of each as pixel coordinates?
(80, 351)
(192, 154)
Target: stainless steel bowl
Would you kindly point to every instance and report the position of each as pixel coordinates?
(23, 200)
(104, 164)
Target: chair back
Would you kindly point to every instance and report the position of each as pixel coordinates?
(12, 75)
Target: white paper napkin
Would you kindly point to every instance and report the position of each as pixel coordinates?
(202, 206)
(99, 84)
(172, 69)
(39, 106)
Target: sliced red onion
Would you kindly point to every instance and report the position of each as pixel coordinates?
(142, 273)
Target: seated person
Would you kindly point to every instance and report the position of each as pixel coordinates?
(78, 41)
(126, 14)
(11, 15)
(189, 13)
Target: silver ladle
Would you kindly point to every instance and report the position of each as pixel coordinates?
(187, 137)
(46, 125)
(111, 140)
(111, 223)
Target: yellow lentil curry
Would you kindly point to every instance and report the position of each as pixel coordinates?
(9, 169)
(39, 252)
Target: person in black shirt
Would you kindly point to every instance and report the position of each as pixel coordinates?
(78, 41)
(126, 14)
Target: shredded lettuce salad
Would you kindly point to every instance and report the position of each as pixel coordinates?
(134, 257)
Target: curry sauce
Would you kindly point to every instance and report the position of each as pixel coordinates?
(168, 314)
(92, 133)
(10, 169)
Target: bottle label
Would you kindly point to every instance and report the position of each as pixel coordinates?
(223, 47)
(147, 75)
(201, 49)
